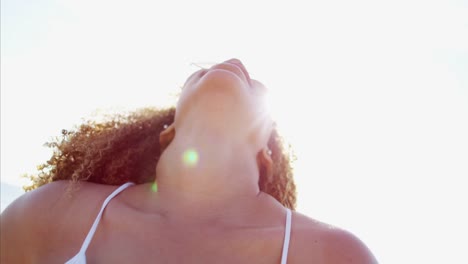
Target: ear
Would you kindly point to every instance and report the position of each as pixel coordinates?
(261, 134)
(265, 133)
(264, 161)
(166, 137)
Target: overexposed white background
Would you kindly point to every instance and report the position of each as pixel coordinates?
(372, 95)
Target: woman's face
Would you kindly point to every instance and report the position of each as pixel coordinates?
(225, 97)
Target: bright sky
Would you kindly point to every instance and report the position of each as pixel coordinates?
(372, 95)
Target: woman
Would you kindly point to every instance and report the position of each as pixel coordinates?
(208, 182)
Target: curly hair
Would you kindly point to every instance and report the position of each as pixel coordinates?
(125, 147)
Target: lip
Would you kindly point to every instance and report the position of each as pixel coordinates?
(241, 66)
(236, 67)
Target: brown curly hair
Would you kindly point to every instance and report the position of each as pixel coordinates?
(125, 147)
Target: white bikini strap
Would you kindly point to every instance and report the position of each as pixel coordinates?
(98, 218)
(287, 236)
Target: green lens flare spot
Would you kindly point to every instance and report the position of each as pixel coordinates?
(190, 157)
(154, 187)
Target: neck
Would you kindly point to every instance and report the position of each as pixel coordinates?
(200, 170)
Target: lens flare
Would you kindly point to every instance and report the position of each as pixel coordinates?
(154, 187)
(190, 158)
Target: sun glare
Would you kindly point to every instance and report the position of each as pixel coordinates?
(371, 95)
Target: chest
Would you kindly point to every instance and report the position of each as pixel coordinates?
(124, 236)
(158, 245)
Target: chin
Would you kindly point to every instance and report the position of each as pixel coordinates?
(218, 97)
(220, 79)
(219, 91)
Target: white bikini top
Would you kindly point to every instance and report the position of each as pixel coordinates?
(80, 258)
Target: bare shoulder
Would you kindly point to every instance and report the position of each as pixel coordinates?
(313, 241)
(55, 197)
(44, 215)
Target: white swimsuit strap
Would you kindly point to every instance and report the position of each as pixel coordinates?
(287, 236)
(91, 232)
